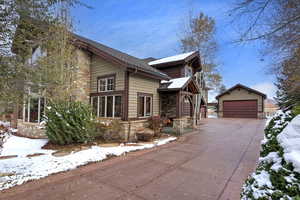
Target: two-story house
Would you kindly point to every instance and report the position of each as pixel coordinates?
(120, 86)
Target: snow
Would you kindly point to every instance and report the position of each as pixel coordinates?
(212, 116)
(171, 58)
(22, 146)
(274, 158)
(289, 139)
(22, 168)
(176, 82)
(263, 179)
(5, 124)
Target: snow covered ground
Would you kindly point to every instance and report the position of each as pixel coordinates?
(281, 146)
(18, 170)
(289, 139)
(214, 116)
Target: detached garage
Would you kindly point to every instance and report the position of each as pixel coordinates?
(241, 102)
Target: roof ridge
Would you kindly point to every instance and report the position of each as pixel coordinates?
(124, 57)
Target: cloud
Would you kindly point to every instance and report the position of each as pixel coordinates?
(266, 87)
(212, 96)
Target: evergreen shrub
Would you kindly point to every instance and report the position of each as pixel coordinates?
(69, 122)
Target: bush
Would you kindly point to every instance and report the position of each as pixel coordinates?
(69, 122)
(284, 180)
(155, 123)
(4, 134)
(109, 131)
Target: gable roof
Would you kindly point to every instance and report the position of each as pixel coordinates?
(180, 58)
(243, 87)
(119, 57)
(178, 84)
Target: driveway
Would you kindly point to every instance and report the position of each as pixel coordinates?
(210, 164)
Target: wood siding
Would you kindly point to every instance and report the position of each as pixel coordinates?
(140, 84)
(174, 71)
(100, 67)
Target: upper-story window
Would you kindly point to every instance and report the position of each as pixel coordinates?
(36, 55)
(188, 71)
(106, 84)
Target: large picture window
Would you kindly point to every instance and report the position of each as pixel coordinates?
(144, 105)
(106, 84)
(107, 106)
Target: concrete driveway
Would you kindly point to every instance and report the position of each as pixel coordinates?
(211, 163)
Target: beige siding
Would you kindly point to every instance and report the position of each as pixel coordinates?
(101, 67)
(144, 85)
(82, 84)
(241, 94)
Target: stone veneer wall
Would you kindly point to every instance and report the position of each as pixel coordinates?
(181, 123)
(130, 128)
(128, 133)
(30, 130)
(82, 80)
(168, 105)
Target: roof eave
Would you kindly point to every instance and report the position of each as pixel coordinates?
(109, 57)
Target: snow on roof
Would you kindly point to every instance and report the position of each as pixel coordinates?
(171, 58)
(177, 82)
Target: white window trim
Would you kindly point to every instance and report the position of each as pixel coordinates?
(145, 106)
(28, 109)
(106, 84)
(105, 102)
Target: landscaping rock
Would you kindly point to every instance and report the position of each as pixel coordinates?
(6, 174)
(61, 153)
(34, 155)
(145, 134)
(7, 157)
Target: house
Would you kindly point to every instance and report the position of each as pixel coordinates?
(120, 86)
(241, 102)
(270, 108)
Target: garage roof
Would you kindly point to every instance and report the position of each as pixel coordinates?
(244, 87)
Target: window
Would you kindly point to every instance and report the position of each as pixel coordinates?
(107, 106)
(144, 105)
(33, 109)
(106, 84)
(188, 71)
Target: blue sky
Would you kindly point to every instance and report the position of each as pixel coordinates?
(145, 28)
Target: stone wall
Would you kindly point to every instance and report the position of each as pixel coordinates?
(82, 80)
(30, 130)
(180, 124)
(130, 128)
(168, 105)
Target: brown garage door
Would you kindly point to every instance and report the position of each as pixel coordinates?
(240, 109)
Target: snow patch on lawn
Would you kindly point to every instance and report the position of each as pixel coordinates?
(23, 146)
(22, 169)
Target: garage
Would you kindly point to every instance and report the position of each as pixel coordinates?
(241, 102)
(240, 109)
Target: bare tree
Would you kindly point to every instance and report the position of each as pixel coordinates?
(198, 35)
(277, 24)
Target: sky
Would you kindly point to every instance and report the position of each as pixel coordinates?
(151, 28)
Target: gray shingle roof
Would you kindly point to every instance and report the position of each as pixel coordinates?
(130, 61)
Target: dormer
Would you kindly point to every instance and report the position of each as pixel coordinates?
(182, 65)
